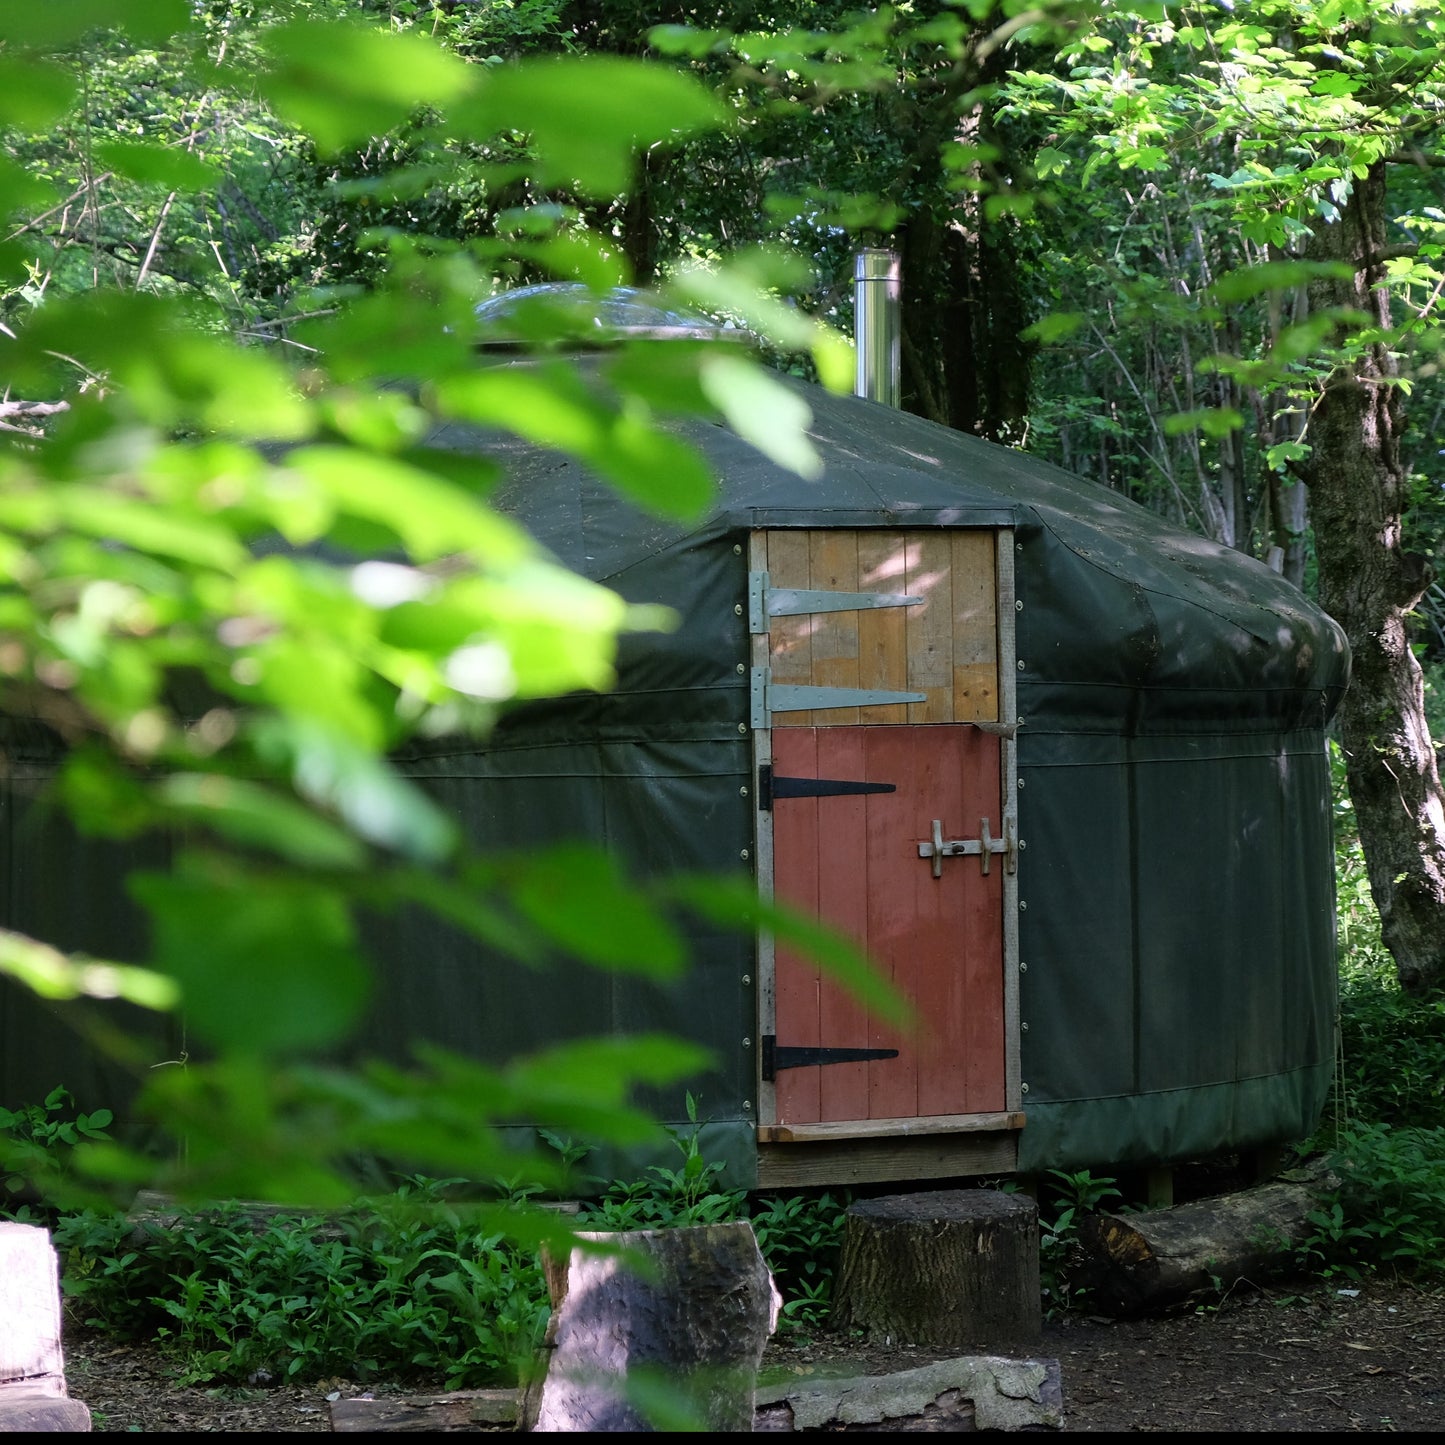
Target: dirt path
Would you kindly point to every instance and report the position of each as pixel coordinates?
(1325, 1361)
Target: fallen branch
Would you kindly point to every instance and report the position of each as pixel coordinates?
(10, 409)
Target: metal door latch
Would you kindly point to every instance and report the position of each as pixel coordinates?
(983, 847)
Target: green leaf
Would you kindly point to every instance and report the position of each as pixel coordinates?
(266, 964)
(1054, 327)
(254, 815)
(33, 93)
(762, 410)
(103, 797)
(1250, 281)
(159, 165)
(663, 373)
(433, 518)
(1336, 82)
(385, 421)
(605, 1070)
(467, 901)
(361, 788)
(1050, 162)
(344, 83)
(167, 369)
(550, 406)
(21, 191)
(576, 896)
(746, 287)
(57, 23)
(1217, 421)
(138, 522)
(394, 332)
(1277, 456)
(734, 903)
(57, 975)
(628, 104)
(685, 41)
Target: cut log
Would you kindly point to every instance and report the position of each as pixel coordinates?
(978, 1392)
(1162, 1259)
(32, 1367)
(458, 1410)
(680, 1318)
(957, 1268)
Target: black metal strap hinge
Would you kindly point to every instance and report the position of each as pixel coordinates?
(771, 786)
(777, 1057)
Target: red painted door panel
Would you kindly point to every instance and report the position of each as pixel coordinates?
(852, 860)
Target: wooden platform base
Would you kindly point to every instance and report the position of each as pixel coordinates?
(864, 1160)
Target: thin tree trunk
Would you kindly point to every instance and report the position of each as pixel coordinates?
(964, 361)
(1368, 582)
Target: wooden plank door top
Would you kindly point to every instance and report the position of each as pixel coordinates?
(945, 646)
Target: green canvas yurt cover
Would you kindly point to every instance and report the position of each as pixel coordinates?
(1176, 892)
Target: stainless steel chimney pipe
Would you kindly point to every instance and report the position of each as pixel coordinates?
(877, 293)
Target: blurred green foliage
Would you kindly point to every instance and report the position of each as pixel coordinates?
(234, 578)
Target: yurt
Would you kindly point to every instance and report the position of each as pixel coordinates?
(1058, 766)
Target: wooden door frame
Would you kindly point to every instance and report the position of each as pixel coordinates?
(1008, 607)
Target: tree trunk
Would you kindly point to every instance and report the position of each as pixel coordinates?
(955, 1267)
(682, 1323)
(964, 363)
(1368, 583)
(1136, 1264)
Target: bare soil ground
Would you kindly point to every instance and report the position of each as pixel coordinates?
(1268, 1361)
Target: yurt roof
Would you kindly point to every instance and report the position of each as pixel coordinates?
(1113, 594)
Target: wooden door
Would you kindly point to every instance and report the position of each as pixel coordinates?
(852, 859)
(877, 702)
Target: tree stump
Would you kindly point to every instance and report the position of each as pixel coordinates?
(958, 1268)
(680, 1320)
(32, 1370)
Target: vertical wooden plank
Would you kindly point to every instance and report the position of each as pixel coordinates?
(833, 566)
(790, 638)
(1008, 711)
(767, 1022)
(795, 882)
(893, 865)
(882, 632)
(981, 952)
(928, 558)
(975, 627)
(940, 940)
(843, 889)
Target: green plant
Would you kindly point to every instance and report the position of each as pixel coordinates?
(1390, 1064)
(409, 1288)
(1389, 1207)
(1081, 1190)
(664, 1198)
(800, 1236)
(1063, 1199)
(411, 1285)
(36, 1141)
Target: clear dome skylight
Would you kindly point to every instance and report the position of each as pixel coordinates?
(569, 310)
